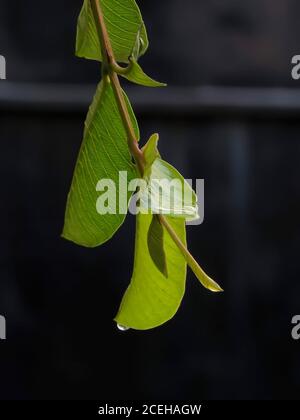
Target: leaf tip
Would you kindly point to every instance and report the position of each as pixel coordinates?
(211, 285)
(216, 289)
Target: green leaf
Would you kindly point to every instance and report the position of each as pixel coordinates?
(150, 150)
(156, 245)
(124, 24)
(104, 152)
(168, 193)
(136, 75)
(151, 299)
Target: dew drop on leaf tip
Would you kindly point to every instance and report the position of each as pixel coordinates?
(122, 328)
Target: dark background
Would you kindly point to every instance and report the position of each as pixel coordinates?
(231, 116)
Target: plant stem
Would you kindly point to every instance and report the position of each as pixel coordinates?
(112, 68)
(175, 238)
(110, 62)
(195, 267)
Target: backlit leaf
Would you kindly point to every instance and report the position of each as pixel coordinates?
(152, 299)
(168, 192)
(104, 152)
(137, 75)
(124, 23)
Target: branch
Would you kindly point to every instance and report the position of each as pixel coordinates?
(195, 267)
(110, 63)
(112, 67)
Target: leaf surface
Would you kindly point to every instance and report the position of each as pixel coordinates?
(150, 150)
(137, 75)
(156, 245)
(103, 154)
(152, 299)
(124, 24)
(168, 192)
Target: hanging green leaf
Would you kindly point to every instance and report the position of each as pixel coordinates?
(151, 299)
(136, 75)
(168, 192)
(104, 155)
(180, 201)
(98, 199)
(124, 23)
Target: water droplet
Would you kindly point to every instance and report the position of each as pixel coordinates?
(122, 328)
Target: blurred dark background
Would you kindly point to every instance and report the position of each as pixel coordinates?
(231, 116)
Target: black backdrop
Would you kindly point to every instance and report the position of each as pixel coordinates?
(241, 135)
